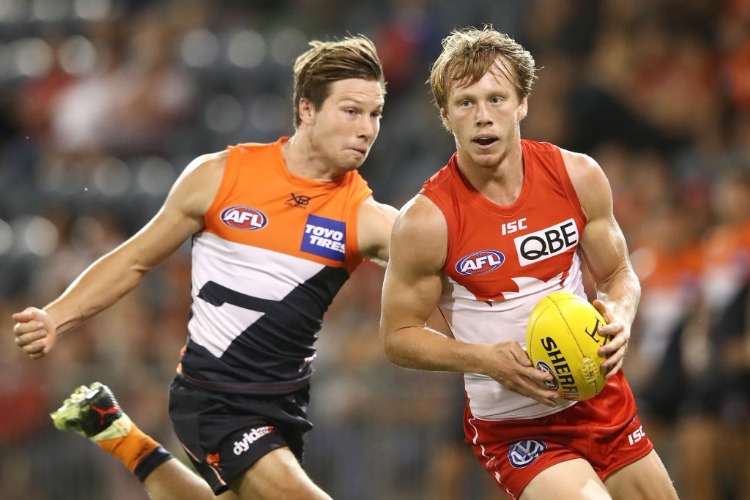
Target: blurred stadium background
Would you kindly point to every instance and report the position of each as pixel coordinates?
(104, 102)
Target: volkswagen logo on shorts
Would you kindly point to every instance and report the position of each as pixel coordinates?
(522, 453)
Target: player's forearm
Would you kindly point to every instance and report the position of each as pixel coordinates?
(101, 285)
(622, 294)
(428, 349)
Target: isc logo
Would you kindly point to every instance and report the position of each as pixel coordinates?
(513, 226)
(546, 243)
(245, 218)
(480, 262)
(636, 435)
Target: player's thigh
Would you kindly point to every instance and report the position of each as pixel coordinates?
(646, 478)
(275, 476)
(572, 479)
(228, 495)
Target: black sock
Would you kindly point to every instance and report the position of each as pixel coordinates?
(151, 462)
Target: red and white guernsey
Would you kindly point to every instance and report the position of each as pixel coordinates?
(275, 250)
(501, 260)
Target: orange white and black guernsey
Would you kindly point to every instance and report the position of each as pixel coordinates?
(501, 260)
(275, 250)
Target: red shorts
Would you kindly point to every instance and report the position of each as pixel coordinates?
(605, 431)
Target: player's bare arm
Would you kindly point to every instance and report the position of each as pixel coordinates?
(119, 271)
(411, 290)
(374, 230)
(606, 254)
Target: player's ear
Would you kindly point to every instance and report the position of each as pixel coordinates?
(445, 120)
(523, 108)
(306, 111)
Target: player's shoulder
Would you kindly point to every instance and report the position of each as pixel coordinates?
(371, 208)
(579, 163)
(421, 217)
(207, 164)
(198, 184)
(419, 240)
(587, 176)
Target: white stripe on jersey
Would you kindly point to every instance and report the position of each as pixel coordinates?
(252, 271)
(478, 322)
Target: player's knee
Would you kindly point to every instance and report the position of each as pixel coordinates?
(291, 489)
(302, 489)
(275, 477)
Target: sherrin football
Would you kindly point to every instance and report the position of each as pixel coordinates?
(562, 338)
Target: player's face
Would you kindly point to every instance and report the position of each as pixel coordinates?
(348, 122)
(484, 118)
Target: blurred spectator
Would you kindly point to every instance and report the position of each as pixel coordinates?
(715, 432)
(137, 96)
(666, 258)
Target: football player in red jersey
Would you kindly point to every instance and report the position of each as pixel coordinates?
(506, 222)
(276, 230)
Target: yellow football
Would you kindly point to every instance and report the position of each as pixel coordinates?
(562, 338)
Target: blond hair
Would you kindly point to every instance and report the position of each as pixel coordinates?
(328, 62)
(469, 53)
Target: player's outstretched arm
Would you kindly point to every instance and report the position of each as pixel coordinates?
(116, 273)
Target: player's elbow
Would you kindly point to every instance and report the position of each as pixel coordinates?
(393, 346)
(386, 338)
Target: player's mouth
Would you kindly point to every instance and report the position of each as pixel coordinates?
(485, 140)
(361, 151)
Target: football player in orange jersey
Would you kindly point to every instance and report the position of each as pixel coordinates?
(276, 230)
(506, 222)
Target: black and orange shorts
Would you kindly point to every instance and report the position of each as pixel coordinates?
(225, 434)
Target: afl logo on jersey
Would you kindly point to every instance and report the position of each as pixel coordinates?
(245, 218)
(481, 262)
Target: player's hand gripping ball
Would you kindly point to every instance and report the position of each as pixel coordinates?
(562, 338)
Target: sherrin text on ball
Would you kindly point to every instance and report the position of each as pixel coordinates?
(562, 338)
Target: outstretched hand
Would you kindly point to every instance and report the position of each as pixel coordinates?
(512, 367)
(35, 333)
(619, 336)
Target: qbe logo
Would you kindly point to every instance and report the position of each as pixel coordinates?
(245, 218)
(481, 262)
(546, 243)
(324, 237)
(522, 453)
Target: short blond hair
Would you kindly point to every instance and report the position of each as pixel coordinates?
(328, 62)
(469, 53)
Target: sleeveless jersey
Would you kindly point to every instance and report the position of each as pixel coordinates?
(274, 251)
(501, 260)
